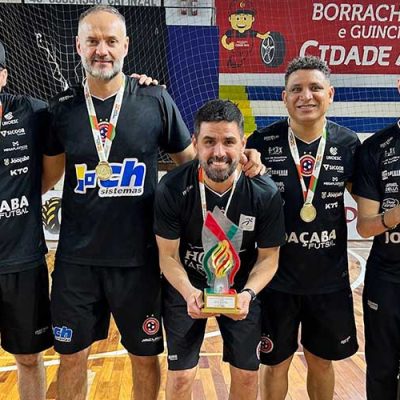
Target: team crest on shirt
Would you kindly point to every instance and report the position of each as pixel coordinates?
(307, 165)
(266, 345)
(127, 179)
(151, 326)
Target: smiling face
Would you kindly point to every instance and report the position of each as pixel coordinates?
(307, 96)
(219, 146)
(102, 44)
(241, 22)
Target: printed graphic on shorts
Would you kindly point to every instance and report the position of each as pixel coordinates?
(62, 334)
(267, 345)
(151, 326)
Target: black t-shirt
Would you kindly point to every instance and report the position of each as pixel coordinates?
(314, 258)
(256, 207)
(22, 244)
(109, 223)
(378, 178)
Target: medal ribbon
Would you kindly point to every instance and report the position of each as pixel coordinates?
(103, 151)
(203, 192)
(308, 194)
(1, 112)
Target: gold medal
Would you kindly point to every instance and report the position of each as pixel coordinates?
(103, 171)
(308, 212)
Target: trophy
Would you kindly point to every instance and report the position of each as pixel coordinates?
(221, 242)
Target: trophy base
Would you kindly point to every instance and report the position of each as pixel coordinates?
(223, 303)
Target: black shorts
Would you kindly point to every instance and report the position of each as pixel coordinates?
(25, 324)
(328, 327)
(381, 304)
(241, 339)
(84, 296)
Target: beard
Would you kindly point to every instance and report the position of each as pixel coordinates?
(105, 75)
(216, 174)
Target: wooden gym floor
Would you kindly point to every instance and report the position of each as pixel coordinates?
(110, 372)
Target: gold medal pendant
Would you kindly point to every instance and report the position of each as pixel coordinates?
(308, 212)
(103, 171)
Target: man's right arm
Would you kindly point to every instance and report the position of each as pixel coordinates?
(176, 275)
(52, 170)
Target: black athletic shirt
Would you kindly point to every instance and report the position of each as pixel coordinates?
(256, 207)
(22, 244)
(110, 223)
(314, 258)
(378, 178)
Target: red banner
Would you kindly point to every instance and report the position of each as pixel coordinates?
(353, 37)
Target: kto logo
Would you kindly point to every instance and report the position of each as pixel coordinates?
(127, 179)
(62, 334)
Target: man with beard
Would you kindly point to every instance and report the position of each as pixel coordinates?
(25, 325)
(377, 187)
(106, 260)
(183, 198)
(311, 160)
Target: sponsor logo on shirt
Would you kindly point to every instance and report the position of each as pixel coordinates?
(389, 203)
(313, 240)
(333, 151)
(386, 143)
(392, 237)
(333, 158)
(392, 187)
(14, 207)
(247, 223)
(16, 146)
(9, 119)
(194, 259)
(390, 152)
(307, 164)
(277, 172)
(15, 160)
(271, 137)
(19, 171)
(19, 132)
(127, 180)
(331, 195)
(62, 334)
(372, 305)
(387, 174)
(391, 160)
(330, 206)
(337, 168)
(275, 151)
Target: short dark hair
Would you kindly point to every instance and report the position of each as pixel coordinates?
(307, 62)
(104, 8)
(218, 111)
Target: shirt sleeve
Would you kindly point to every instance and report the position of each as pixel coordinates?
(366, 176)
(166, 213)
(52, 145)
(271, 224)
(176, 136)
